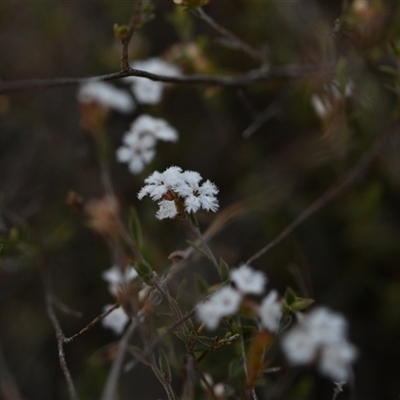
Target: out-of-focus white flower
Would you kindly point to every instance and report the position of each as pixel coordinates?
(321, 336)
(116, 320)
(248, 280)
(326, 326)
(145, 90)
(139, 142)
(220, 304)
(322, 105)
(218, 388)
(116, 278)
(146, 125)
(179, 187)
(270, 311)
(335, 360)
(325, 103)
(106, 95)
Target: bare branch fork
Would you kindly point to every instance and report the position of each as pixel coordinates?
(49, 299)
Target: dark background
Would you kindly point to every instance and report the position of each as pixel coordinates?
(347, 253)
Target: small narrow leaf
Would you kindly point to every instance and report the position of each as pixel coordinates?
(193, 220)
(290, 296)
(164, 365)
(202, 285)
(389, 70)
(136, 230)
(223, 269)
(181, 289)
(143, 268)
(301, 303)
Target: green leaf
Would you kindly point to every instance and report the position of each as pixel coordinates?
(135, 228)
(235, 368)
(164, 365)
(143, 268)
(193, 220)
(202, 285)
(181, 289)
(389, 70)
(301, 303)
(290, 296)
(223, 269)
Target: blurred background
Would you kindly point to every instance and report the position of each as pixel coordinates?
(346, 256)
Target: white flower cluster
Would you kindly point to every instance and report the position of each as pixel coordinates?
(145, 90)
(227, 300)
(117, 319)
(106, 95)
(178, 191)
(324, 104)
(321, 337)
(139, 142)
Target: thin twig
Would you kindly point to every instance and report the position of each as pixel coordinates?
(334, 191)
(238, 43)
(243, 351)
(133, 24)
(291, 71)
(155, 342)
(162, 379)
(206, 247)
(65, 309)
(91, 324)
(261, 118)
(59, 333)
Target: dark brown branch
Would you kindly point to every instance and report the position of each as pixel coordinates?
(334, 191)
(291, 72)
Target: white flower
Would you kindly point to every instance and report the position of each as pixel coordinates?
(145, 90)
(167, 209)
(299, 346)
(326, 326)
(175, 185)
(220, 304)
(321, 336)
(116, 278)
(335, 360)
(158, 128)
(270, 311)
(139, 142)
(105, 95)
(116, 320)
(247, 280)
